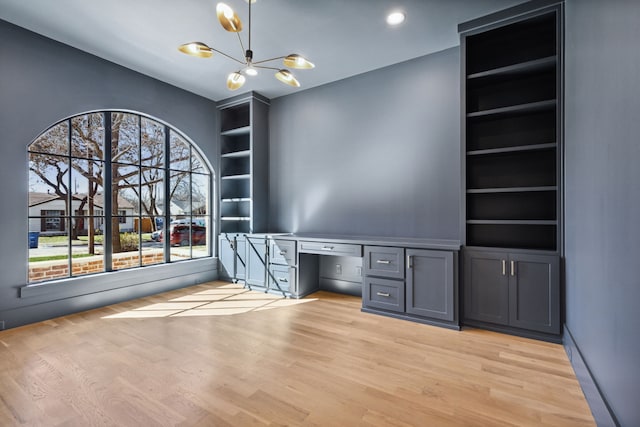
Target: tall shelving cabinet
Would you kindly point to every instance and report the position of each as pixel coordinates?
(243, 184)
(512, 145)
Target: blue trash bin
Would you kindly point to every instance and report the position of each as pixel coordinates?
(33, 239)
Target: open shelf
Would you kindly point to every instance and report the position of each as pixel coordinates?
(542, 64)
(517, 43)
(235, 118)
(234, 154)
(235, 200)
(511, 222)
(243, 176)
(512, 206)
(516, 109)
(523, 236)
(510, 189)
(531, 147)
(513, 169)
(514, 130)
(235, 218)
(245, 130)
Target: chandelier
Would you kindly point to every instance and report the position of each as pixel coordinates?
(231, 22)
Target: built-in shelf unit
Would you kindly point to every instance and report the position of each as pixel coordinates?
(512, 168)
(243, 163)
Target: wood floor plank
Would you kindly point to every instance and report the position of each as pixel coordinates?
(219, 355)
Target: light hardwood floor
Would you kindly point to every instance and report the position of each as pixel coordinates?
(218, 355)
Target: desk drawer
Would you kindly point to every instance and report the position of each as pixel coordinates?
(282, 251)
(324, 248)
(284, 276)
(384, 262)
(384, 294)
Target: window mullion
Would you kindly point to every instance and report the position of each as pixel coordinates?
(107, 244)
(67, 218)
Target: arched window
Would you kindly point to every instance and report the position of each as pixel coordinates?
(113, 190)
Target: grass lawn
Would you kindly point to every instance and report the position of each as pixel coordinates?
(57, 257)
(62, 240)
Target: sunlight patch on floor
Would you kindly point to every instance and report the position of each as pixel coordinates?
(225, 300)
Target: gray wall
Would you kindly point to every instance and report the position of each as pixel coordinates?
(42, 82)
(603, 195)
(375, 154)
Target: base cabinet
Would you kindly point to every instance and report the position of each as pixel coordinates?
(256, 251)
(517, 290)
(232, 261)
(430, 284)
(413, 284)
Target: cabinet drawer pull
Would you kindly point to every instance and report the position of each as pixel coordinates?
(283, 252)
(383, 294)
(504, 267)
(513, 268)
(282, 279)
(327, 248)
(383, 261)
(409, 261)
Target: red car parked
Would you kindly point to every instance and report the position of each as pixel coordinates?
(179, 234)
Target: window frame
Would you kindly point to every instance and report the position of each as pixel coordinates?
(107, 218)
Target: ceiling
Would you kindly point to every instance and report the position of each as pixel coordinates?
(343, 38)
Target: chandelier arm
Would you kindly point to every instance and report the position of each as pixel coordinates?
(265, 68)
(228, 56)
(270, 59)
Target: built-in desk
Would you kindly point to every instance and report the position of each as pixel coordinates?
(407, 278)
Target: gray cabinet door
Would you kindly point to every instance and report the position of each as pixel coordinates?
(226, 256)
(534, 292)
(430, 284)
(256, 260)
(486, 287)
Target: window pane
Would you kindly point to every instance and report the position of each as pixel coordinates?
(179, 153)
(126, 186)
(87, 140)
(197, 163)
(180, 191)
(48, 181)
(152, 145)
(200, 238)
(87, 247)
(152, 248)
(125, 137)
(180, 232)
(50, 260)
(86, 179)
(199, 194)
(54, 141)
(152, 192)
(128, 255)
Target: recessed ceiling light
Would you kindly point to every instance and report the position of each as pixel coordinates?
(395, 18)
